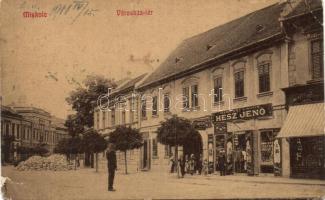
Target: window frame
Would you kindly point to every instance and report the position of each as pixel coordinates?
(320, 55)
(266, 82)
(166, 108)
(154, 106)
(236, 82)
(217, 92)
(143, 108)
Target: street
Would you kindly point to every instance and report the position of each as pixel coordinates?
(87, 184)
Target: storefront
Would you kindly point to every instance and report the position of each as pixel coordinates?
(304, 128)
(247, 136)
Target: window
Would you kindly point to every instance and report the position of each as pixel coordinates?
(186, 99)
(18, 131)
(113, 117)
(167, 151)
(267, 138)
(166, 103)
(317, 59)
(13, 130)
(154, 148)
(154, 106)
(104, 118)
(123, 117)
(7, 129)
(239, 84)
(218, 89)
(264, 77)
(194, 96)
(132, 111)
(97, 119)
(143, 108)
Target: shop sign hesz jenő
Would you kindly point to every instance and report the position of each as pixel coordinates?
(243, 113)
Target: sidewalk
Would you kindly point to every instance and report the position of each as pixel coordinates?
(253, 179)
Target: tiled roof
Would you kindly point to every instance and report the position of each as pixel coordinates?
(129, 84)
(217, 42)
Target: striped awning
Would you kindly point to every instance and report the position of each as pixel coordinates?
(304, 120)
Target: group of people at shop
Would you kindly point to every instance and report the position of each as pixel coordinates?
(189, 164)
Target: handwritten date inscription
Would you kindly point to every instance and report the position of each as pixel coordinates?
(77, 9)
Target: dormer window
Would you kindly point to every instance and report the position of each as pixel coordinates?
(209, 46)
(260, 28)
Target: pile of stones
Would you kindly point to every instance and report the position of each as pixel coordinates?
(54, 162)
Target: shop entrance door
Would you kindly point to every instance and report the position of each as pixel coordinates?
(145, 155)
(239, 154)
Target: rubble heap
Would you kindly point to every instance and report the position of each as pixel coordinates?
(54, 162)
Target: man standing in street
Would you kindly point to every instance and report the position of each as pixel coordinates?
(111, 165)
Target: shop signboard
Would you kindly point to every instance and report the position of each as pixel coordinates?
(243, 113)
(202, 124)
(220, 128)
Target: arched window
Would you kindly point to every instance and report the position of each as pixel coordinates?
(264, 71)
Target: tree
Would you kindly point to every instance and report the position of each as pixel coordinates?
(93, 143)
(6, 147)
(69, 146)
(176, 131)
(126, 138)
(74, 125)
(83, 100)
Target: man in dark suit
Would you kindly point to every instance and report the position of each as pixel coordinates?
(111, 165)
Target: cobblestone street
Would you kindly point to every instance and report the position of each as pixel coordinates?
(87, 184)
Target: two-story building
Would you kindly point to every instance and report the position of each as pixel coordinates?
(232, 82)
(121, 109)
(28, 126)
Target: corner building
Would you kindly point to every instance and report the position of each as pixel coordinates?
(232, 78)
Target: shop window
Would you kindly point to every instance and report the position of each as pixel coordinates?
(166, 103)
(264, 77)
(239, 84)
(307, 157)
(267, 138)
(186, 99)
(194, 96)
(154, 148)
(154, 106)
(218, 89)
(317, 59)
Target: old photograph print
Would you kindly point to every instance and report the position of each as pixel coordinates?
(174, 99)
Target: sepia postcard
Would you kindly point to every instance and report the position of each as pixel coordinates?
(173, 99)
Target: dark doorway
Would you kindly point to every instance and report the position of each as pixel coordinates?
(193, 146)
(145, 154)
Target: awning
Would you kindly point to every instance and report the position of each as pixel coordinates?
(304, 120)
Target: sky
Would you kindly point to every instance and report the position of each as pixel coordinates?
(43, 59)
